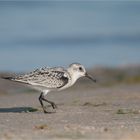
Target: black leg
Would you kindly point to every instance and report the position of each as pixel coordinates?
(41, 99)
(50, 102)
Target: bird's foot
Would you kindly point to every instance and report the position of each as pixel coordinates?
(54, 106)
(48, 112)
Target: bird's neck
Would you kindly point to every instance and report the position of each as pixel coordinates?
(74, 77)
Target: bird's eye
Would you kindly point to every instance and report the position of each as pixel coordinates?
(80, 68)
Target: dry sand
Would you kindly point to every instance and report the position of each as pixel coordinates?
(88, 113)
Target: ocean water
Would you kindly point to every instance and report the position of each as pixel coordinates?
(53, 33)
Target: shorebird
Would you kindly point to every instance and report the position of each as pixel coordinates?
(52, 79)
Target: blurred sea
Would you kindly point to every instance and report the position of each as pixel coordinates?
(53, 33)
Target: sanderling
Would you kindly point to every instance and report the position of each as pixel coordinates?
(52, 79)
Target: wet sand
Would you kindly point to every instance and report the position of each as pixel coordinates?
(83, 113)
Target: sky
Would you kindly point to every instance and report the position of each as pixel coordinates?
(37, 34)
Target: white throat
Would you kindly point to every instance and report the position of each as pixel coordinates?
(74, 76)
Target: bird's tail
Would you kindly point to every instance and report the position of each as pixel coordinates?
(7, 77)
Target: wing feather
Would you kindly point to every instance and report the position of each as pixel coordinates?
(46, 77)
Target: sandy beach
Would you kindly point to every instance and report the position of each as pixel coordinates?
(88, 112)
(103, 36)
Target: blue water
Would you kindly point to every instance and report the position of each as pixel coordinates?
(35, 34)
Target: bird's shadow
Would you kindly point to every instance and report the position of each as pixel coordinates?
(18, 110)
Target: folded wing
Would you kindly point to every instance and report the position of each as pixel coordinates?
(48, 77)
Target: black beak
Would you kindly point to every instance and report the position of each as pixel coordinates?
(90, 77)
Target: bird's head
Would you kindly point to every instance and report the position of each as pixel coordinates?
(77, 70)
